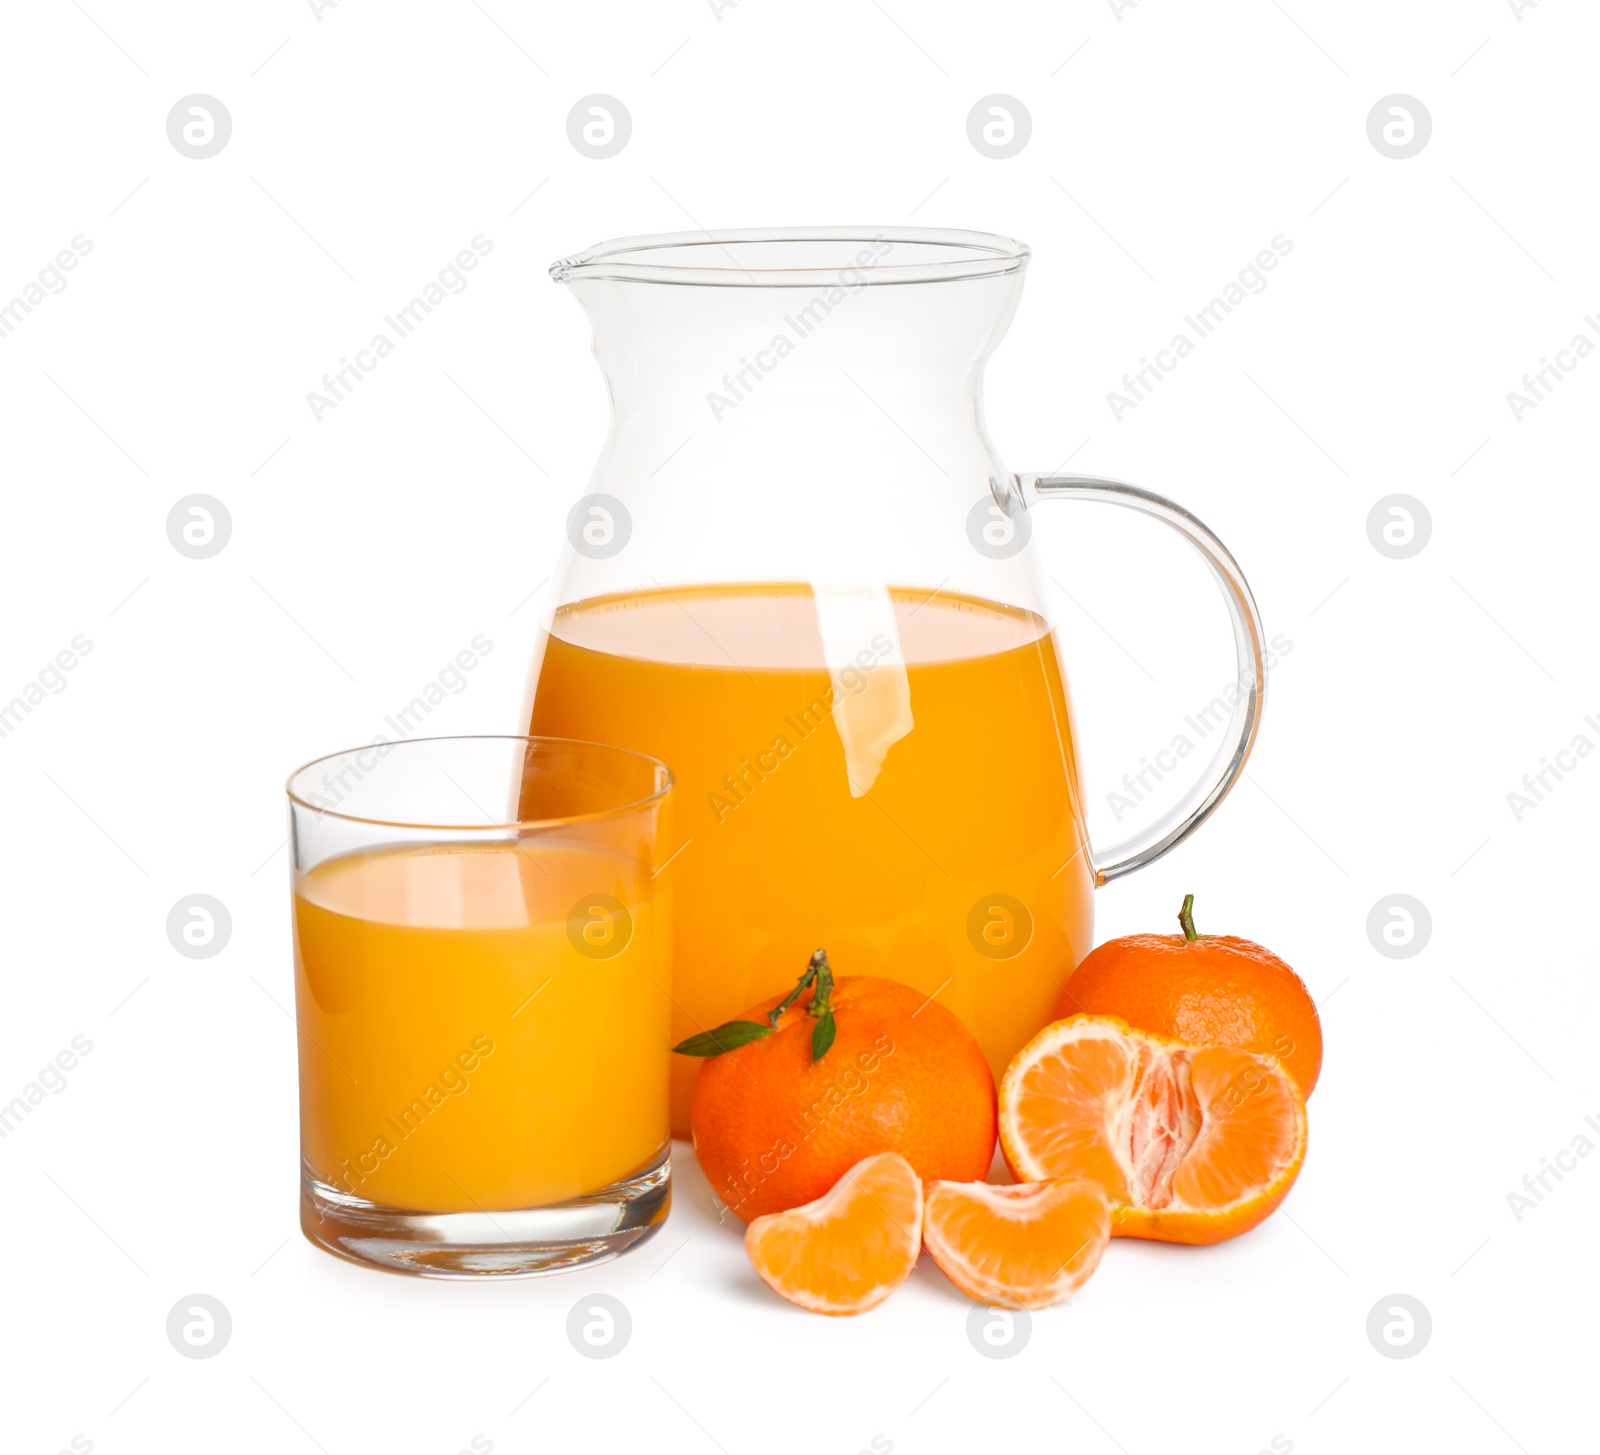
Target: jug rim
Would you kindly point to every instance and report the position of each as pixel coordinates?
(797, 257)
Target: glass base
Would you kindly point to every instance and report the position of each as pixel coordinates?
(520, 1243)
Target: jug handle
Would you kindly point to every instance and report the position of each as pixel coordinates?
(1197, 804)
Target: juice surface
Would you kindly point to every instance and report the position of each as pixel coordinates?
(894, 783)
(458, 1052)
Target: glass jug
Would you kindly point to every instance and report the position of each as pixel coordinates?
(803, 579)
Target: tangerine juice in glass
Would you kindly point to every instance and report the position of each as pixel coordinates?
(889, 775)
(483, 1006)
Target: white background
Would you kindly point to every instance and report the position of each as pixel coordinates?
(1170, 143)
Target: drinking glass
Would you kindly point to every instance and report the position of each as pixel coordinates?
(483, 1002)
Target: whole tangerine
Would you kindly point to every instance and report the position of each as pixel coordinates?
(1215, 990)
(801, 1088)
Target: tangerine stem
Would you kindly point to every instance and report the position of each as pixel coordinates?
(823, 1032)
(818, 961)
(1186, 919)
(823, 971)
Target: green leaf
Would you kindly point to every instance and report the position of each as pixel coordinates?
(822, 1035)
(727, 1037)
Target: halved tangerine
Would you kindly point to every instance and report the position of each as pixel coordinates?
(1191, 1144)
(851, 1248)
(1027, 1246)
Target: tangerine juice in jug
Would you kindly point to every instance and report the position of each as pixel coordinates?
(914, 811)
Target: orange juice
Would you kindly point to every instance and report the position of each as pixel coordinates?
(461, 1048)
(904, 795)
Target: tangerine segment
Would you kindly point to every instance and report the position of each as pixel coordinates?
(1191, 1144)
(851, 1248)
(1027, 1246)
